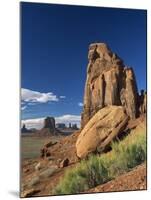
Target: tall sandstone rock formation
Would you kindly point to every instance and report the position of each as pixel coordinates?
(108, 82)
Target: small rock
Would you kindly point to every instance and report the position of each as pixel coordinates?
(44, 152)
(50, 162)
(64, 163)
(29, 193)
(51, 143)
(59, 161)
(26, 170)
(34, 181)
(48, 154)
(50, 158)
(38, 166)
(141, 187)
(48, 172)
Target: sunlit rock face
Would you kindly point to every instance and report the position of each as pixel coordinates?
(108, 82)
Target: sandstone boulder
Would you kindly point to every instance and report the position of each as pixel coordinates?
(101, 129)
(108, 82)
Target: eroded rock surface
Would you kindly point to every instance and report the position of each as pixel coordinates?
(108, 82)
(101, 129)
(143, 102)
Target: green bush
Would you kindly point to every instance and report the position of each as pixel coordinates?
(85, 175)
(128, 154)
(99, 169)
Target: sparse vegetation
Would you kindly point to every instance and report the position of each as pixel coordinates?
(48, 172)
(99, 169)
(30, 146)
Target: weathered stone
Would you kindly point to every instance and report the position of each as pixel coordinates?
(48, 154)
(108, 82)
(44, 152)
(143, 102)
(50, 158)
(29, 193)
(49, 144)
(48, 172)
(101, 129)
(34, 181)
(38, 166)
(131, 94)
(64, 163)
(26, 170)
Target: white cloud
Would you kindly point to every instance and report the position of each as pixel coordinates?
(68, 119)
(31, 103)
(33, 123)
(38, 122)
(23, 108)
(80, 104)
(37, 97)
(62, 97)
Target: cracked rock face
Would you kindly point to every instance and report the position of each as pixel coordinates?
(108, 82)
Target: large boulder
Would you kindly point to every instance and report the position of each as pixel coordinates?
(108, 82)
(101, 129)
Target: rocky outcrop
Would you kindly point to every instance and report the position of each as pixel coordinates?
(25, 130)
(48, 128)
(109, 82)
(49, 123)
(143, 102)
(100, 131)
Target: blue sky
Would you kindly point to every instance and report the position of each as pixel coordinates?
(54, 48)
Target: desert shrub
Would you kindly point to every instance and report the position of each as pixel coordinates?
(99, 169)
(96, 172)
(85, 175)
(128, 153)
(74, 181)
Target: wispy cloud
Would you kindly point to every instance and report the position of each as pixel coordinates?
(37, 97)
(23, 107)
(80, 104)
(62, 97)
(38, 122)
(68, 119)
